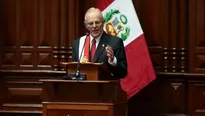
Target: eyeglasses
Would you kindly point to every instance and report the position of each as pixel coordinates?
(91, 24)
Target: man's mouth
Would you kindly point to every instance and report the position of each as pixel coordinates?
(95, 31)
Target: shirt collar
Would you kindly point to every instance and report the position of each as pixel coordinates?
(97, 39)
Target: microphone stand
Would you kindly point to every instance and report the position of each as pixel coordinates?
(77, 75)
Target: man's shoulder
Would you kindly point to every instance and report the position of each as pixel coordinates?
(78, 39)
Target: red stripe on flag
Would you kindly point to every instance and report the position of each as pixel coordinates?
(102, 4)
(140, 69)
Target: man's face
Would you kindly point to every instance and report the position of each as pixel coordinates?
(94, 24)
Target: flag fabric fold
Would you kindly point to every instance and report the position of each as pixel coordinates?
(121, 20)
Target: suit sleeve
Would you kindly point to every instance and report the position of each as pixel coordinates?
(120, 70)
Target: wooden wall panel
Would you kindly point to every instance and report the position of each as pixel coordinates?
(196, 34)
(1, 90)
(25, 40)
(37, 34)
(55, 32)
(22, 92)
(2, 30)
(153, 18)
(164, 97)
(2, 20)
(196, 98)
(164, 24)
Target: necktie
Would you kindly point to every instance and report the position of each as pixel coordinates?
(93, 49)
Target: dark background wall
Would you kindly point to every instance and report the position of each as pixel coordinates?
(36, 34)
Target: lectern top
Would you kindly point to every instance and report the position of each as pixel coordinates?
(80, 81)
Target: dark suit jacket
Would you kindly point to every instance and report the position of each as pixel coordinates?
(100, 56)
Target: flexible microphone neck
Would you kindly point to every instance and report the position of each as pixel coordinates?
(77, 72)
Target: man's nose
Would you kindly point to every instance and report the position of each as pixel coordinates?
(94, 25)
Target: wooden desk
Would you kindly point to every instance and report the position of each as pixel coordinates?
(83, 98)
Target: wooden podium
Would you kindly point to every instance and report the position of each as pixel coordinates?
(94, 71)
(83, 97)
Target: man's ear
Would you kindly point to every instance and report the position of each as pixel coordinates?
(86, 25)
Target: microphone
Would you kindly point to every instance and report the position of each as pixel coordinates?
(77, 75)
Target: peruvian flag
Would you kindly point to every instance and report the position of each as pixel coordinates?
(121, 20)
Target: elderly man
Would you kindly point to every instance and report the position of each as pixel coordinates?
(99, 47)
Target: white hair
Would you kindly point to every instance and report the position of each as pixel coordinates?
(92, 9)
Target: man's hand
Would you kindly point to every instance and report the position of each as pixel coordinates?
(110, 53)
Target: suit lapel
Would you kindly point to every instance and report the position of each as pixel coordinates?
(77, 49)
(100, 48)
